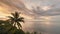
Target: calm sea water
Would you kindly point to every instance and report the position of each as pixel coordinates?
(46, 27)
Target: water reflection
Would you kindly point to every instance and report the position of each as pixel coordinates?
(46, 26)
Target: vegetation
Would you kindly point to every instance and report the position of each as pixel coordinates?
(15, 19)
(9, 26)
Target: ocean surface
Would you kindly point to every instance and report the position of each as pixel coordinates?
(45, 27)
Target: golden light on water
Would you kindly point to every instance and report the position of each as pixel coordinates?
(46, 20)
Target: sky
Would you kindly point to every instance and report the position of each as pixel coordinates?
(32, 10)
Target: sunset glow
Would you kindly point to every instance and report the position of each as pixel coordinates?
(45, 8)
(38, 15)
(46, 20)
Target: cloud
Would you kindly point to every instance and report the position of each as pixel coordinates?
(8, 6)
(14, 3)
(20, 6)
(50, 12)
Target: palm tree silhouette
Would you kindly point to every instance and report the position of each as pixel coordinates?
(15, 19)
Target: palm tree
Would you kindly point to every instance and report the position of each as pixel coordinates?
(15, 19)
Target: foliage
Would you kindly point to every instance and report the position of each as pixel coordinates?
(7, 27)
(15, 19)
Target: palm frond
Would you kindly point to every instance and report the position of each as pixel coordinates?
(16, 14)
(10, 17)
(21, 20)
(19, 25)
(13, 14)
(15, 19)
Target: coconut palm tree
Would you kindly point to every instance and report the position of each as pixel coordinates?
(15, 19)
